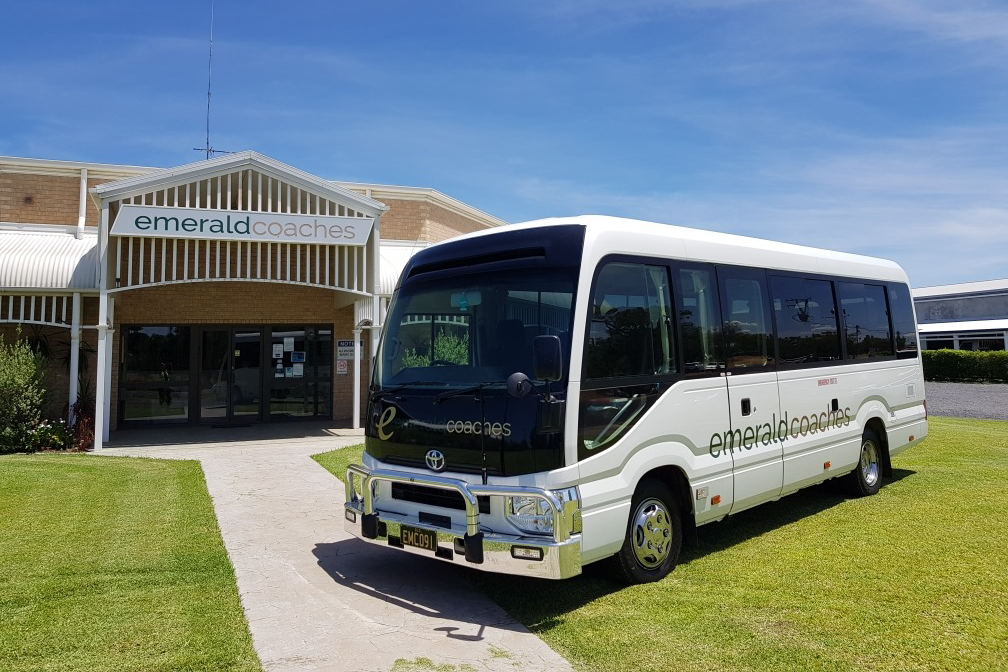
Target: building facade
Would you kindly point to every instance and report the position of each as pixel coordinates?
(967, 316)
(226, 291)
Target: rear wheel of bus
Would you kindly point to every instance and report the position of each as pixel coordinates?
(866, 477)
(653, 537)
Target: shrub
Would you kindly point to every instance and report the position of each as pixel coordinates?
(966, 365)
(82, 429)
(22, 395)
(51, 436)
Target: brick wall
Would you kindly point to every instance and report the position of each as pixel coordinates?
(45, 199)
(40, 199)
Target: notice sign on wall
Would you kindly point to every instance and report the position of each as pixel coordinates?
(267, 227)
(345, 350)
(341, 367)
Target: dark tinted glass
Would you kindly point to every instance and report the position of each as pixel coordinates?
(865, 320)
(156, 354)
(699, 320)
(748, 334)
(806, 320)
(901, 307)
(631, 326)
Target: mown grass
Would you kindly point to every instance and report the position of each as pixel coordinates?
(114, 563)
(915, 577)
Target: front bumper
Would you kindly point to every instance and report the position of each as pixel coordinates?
(556, 557)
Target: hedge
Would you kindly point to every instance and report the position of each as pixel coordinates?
(966, 365)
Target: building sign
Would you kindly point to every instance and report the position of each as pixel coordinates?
(267, 227)
(345, 350)
(341, 367)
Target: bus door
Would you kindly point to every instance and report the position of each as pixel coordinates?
(753, 400)
(700, 411)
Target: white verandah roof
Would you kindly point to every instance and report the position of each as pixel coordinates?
(37, 262)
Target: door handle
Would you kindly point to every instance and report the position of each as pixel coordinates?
(746, 407)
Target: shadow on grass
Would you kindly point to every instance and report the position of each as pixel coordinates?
(541, 604)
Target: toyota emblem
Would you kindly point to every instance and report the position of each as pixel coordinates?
(435, 460)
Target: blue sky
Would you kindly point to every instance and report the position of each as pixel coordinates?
(871, 126)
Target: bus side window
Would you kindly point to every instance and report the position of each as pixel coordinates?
(631, 327)
(865, 320)
(699, 321)
(806, 320)
(901, 306)
(748, 333)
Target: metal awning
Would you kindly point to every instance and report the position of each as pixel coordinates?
(33, 261)
(967, 326)
(394, 256)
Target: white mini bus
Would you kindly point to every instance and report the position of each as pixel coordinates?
(551, 394)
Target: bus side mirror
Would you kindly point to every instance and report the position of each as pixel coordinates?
(547, 362)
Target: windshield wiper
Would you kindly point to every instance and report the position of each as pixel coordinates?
(466, 390)
(378, 394)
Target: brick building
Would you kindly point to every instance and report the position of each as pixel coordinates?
(225, 291)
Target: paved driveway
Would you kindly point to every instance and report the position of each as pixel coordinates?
(316, 598)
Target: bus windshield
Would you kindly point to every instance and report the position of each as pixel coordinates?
(473, 328)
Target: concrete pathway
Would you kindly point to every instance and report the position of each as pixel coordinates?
(315, 597)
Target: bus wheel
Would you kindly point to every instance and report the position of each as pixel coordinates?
(654, 535)
(866, 478)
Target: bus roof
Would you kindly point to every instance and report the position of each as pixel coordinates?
(617, 235)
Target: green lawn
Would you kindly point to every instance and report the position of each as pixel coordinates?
(915, 577)
(114, 563)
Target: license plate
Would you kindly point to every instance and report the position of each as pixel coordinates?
(418, 538)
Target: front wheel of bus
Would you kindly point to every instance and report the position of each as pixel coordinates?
(654, 535)
(866, 478)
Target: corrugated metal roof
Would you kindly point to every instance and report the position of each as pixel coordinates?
(48, 261)
(394, 256)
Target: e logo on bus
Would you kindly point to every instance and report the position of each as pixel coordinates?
(386, 418)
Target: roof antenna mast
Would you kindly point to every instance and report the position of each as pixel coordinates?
(210, 151)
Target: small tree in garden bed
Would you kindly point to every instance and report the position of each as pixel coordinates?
(22, 396)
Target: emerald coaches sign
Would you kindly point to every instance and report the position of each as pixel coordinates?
(266, 227)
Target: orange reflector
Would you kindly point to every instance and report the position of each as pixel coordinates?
(716, 499)
(826, 465)
(911, 437)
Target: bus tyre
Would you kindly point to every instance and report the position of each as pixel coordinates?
(866, 478)
(653, 537)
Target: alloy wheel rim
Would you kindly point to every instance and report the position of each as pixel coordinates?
(869, 463)
(652, 533)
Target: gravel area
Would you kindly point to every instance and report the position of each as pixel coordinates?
(968, 400)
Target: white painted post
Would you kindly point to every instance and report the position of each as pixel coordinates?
(82, 205)
(376, 320)
(108, 367)
(104, 361)
(356, 378)
(75, 335)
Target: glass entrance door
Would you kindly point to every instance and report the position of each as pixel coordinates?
(214, 376)
(230, 381)
(246, 387)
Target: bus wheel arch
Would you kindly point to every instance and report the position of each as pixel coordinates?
(877, 426)
(659, 511)
(865, 478)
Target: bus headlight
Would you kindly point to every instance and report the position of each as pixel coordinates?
(530, 514)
